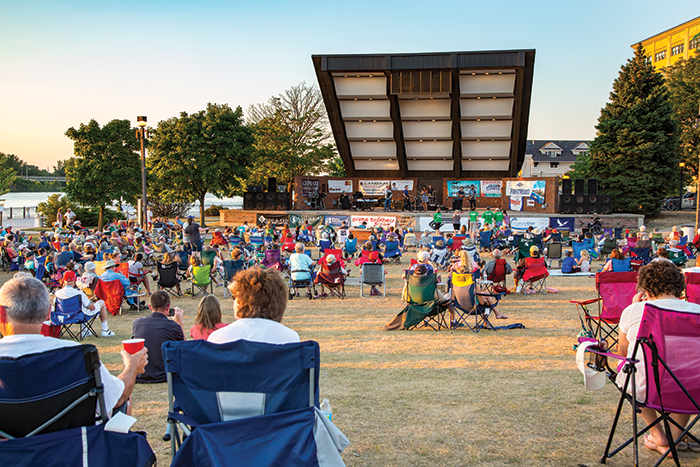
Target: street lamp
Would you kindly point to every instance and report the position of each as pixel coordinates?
(142, 134)
(680, 191)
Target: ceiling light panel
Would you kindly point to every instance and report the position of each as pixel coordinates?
(486, 149)
(486, 108)
(364, 109)
(441, 149)
(427, 130)
(424, 108)
(430, 165)
(370, 130)
(373, 149)
(376, 165)
(488, 129)
(348, 87)
(486, 84)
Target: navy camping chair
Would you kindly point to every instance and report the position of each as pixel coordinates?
(243, 402)
(621, 265)
(485, 240)
(435, 239)
(69, 312)
(578, 247)
(231, 268)
(393, 251)
(48, 403)
(323, 245)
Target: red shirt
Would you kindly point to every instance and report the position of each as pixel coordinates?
(198, 333)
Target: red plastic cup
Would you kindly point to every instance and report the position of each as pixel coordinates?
(133, 345)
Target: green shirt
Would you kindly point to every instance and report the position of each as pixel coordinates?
(488, 217)
(498, 216)
(437, 218)
(473, 216)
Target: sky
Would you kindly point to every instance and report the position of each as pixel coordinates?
(65, 63)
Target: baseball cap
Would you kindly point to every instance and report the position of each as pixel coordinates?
(69, 276)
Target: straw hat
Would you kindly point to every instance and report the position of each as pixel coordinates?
(90, 266)
(330, 259)
(109, 264)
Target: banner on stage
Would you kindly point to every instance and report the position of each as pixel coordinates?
(375, 188)
(454, 186)
(310, 186)
(516, 203)
(297, 219)
(532, 189)
(275, 219)
(522, 223)
(337, 221)
(491, 188)
(400, 185)
(374, 221)
(563, 223)
(424, 223)
(339, 186)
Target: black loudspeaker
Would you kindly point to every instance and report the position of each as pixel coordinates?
(566, 186)
(592, 186)
(592, 202)
(255, 189)
(579, 186)
(605, 204)
(259, 201)
(272, 185)
(270, 201)
(580, 204)
(283, 202)
(249, 201)
(566, 203)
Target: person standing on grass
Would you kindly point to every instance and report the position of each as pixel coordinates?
(498, 217)
(488, 216)
(456, 221)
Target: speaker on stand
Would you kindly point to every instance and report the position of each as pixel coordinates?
(566, 204)
(283, 202)
(579, 186)
(566, 186)
(249, 201)
(592, 204)
(580, 204)
(592, 186)
(259, 201)
(270, 201)
(272, 185)
(605, 204)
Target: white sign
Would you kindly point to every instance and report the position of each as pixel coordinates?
(446, 227)
(516, 204)
(491, 188)
(339, 186)
(374, 221)
(399, 185)
(522, 223)
(374, 187)
(530, 202)
(534, 189)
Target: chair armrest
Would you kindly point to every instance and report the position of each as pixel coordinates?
(585, 302)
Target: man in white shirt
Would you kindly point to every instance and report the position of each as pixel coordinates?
(70, 216)
(24, 306)
(89, 308)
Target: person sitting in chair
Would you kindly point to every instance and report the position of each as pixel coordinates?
(88, 307)
(569, 264)
(421, 270)
(300, 264)
(660, 283)
(25, 306)
(423, 259)
(497, 260)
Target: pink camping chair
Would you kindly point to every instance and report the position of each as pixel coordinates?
(667, 341)
(615, 293)
(692, 287)
(273, 259)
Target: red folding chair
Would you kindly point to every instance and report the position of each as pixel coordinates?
(692, 287)
(536, 273)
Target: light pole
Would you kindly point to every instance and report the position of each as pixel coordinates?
(142, 134)
(680, 191)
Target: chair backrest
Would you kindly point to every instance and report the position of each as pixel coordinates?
(554, 250)
(208, 257)
(485, 238)
(272, 257)
(323, 244)
(692, 287)
(123, 269)
(372, 273)
(642, 253)
(671, 338)
(609, 244)
(498, 274)
(535, 267)
(232, 267)
(69, 310)
(463, 291)
(524, 247)
(351, 245)
(421, 289)
(220, 382)
(683, 240)
(201, 274)
(167, 274)
(392, 246)
(111, 292)
(578, 247)
(38, 387)
(437, 238)
(257, 240)
(621, 265)
(556, 237)
(538, 240)
(182, 259)
(616, 289)
(457, 242)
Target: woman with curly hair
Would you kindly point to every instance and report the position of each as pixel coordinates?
(662, 284)
(259, 302)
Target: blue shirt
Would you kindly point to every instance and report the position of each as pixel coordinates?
(300, 262)
(110, 275)
(568, 264)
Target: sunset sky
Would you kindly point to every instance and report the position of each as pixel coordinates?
(64, 63)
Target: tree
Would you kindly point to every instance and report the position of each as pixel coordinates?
(336, 167)
(106, 166)
(683, 81)
(7, 172)
(206, 152)
(582, 167)
(634, 154)
(292, 136)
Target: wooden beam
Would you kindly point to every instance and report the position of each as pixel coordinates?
(395, 113)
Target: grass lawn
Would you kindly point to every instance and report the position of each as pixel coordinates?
(448, 398)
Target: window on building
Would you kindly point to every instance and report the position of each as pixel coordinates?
(554, 165)
(676, 49)
(552, 153)
(648, 60)
(659, 56)
(695, 43)
(536, 164)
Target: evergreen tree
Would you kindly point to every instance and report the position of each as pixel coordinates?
(683, 81)
(635, 154)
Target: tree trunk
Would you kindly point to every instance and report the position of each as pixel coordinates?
(202, 220)
(100, 220)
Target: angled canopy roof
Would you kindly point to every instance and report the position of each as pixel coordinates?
(457, 114)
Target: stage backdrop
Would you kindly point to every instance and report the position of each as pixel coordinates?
(340, 186)
(374, 221)
(522, 223)
(453, 187)
(374, 188)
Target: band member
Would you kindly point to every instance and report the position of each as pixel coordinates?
(406, 199)
(472, 197)
(387, 198)
(460, 199)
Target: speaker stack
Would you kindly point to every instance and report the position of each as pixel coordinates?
(581, 202)
(257, 200)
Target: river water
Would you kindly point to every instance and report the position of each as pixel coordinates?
(31, 200)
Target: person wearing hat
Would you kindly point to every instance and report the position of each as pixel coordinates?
(89, 308)
(111, 275)
(523, 264)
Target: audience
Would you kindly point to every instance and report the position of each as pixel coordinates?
(88, 307)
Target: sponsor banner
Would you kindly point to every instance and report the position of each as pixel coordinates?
(533, 189)
(276, 219)
(454, 186)
(491, 188)
(374, 188)
(339, 186)
(337, 221)
(374, 221)
(309, 186)
(399, 185)
(516, 203)
(297, 219)
(531, 202)
(522, 223)
(562, 223)
(425, 221)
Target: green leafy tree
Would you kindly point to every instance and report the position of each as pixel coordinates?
(683, 81)
(635, 152)
(50, 207)
(7, 173)
(106, 166)
(292, 136)
(336, 167)
(206, 152)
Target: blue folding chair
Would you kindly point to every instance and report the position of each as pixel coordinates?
(393, 252)
(245, 403)
(435, 239)
(621, 265)
(485, 240)
(257, 242)
(323, 245)
(69, 312)
(48, 403)
(578, 247)
(350, 247)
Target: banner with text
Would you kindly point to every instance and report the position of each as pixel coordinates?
(374, 221)
(276, 219)
(522, 223)
(516, 203)
(491, 188)
(563, 223)
(375, 188)
(339, 186)
(337, 221)
(424, 223)
(468, 187)
(296, 219)
(310, 186)
(533, 189)
(400, 185)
